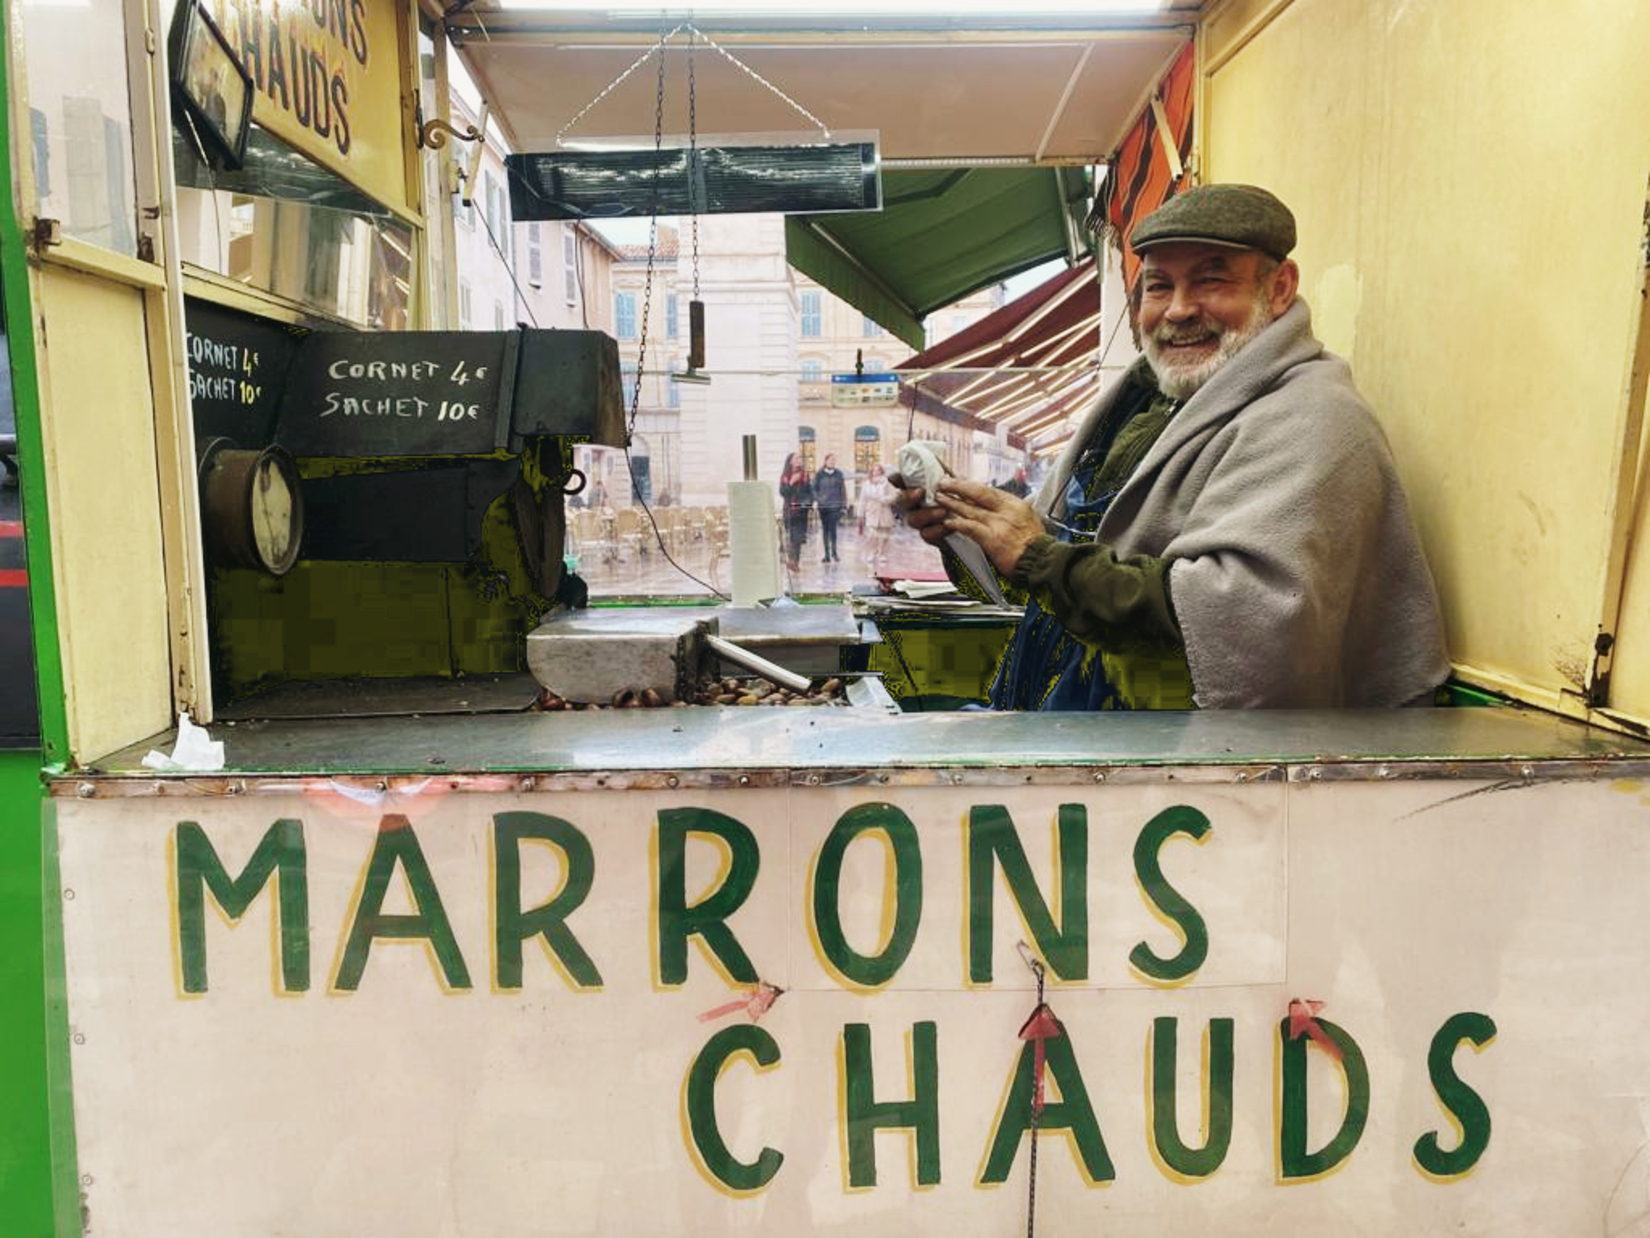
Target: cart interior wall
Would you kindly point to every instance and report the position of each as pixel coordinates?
(1472, 178)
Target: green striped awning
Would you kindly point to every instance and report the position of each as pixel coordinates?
(942, 234)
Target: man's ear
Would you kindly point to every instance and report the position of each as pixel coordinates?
(1286, 282)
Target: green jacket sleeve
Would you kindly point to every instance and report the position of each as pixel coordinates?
(1098, 597)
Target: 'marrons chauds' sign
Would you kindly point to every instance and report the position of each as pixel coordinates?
(805, 1007)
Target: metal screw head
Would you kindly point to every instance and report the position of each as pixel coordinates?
(744, 780)
(85, 790)
(1099, 775)
(673, 781)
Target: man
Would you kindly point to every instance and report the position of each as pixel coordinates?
(1226, 528)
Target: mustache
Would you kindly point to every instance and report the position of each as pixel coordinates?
(1188, 333)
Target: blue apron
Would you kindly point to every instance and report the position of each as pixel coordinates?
(1044, 667)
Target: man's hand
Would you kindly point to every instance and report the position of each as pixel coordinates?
(1002, 524)
(927, 519)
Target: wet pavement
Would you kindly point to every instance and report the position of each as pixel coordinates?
(696, 564)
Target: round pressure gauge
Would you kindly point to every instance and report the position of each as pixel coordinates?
(252, 510)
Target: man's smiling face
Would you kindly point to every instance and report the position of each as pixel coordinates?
(1201, 303)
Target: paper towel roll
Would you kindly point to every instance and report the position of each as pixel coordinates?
(753, 542)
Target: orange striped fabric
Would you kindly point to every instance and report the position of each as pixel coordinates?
(1139, 180)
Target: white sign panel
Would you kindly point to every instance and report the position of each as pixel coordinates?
(1355, 1008)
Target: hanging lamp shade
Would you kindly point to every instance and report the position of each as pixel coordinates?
(705, 180)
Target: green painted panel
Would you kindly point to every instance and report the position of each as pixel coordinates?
(36, 1190)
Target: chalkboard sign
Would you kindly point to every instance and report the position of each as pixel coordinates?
(237, 371)
(403, 393)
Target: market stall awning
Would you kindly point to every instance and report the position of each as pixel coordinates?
(1026, 368)
(940, 236)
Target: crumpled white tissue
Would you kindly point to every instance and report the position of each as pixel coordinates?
(195, 750)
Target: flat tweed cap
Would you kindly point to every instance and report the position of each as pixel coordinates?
(1239, 216)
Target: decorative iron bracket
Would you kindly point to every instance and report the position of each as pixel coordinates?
(433, 134)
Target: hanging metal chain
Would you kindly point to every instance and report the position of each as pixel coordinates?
(652, 242)
(611, 86)
(738, 63)
(1036, 1119)
(695, 207)
(734, 60)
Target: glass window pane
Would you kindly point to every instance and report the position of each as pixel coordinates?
(349, 265)
(80, 121)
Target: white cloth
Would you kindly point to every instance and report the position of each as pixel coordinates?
(1298, 579)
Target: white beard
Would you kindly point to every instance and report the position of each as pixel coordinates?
(1181, 380)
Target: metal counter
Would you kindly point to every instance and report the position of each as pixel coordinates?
(802, 744)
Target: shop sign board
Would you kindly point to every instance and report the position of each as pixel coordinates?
(328, 79)
(1379, 1007)
(864, 390)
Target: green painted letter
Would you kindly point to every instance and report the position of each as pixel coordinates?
(869, 970)
(700, 1098)
(512, 925)
(1166, 899)
(279, 854)
(1071, 1112)
(1217, 1101)
(991, 834)
(1465, 1105)
(1295, 1163)
(397, 844)
(863, 1116)
(708, 917)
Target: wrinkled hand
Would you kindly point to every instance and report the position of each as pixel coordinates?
(1001, 523)
(927, 519)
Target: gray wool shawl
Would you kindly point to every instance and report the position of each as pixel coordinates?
(1296, 573)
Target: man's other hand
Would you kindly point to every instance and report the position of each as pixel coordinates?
(1001, 523)
(927, 519)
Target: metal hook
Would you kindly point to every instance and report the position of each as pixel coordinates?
(1031, 960)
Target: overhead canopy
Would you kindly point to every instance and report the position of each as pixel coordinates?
(941, 235)
(1026, 368)
(1030, 95)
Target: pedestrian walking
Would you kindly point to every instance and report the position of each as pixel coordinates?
(796, 496)
(831, 494)
(876, 515)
